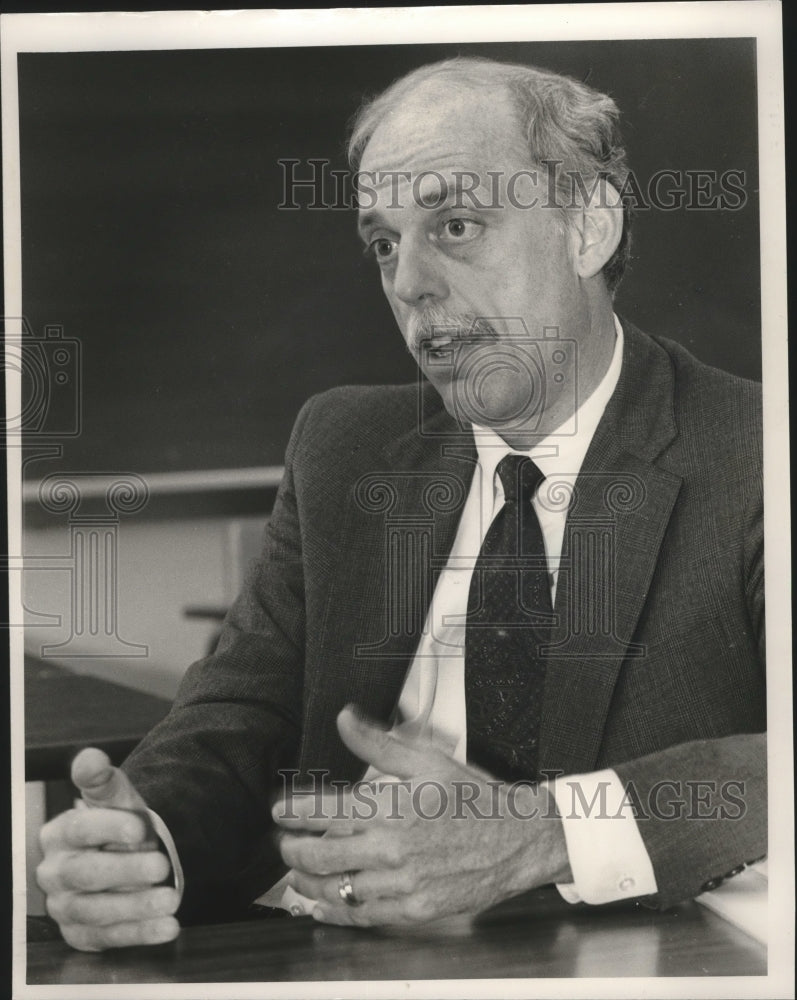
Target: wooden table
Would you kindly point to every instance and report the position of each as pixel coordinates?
(65, 711)
(533, 936)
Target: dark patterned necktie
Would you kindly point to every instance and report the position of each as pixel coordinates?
(509, 616)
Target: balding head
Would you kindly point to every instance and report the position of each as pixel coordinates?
(533, 114)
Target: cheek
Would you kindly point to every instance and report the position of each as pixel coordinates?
(558, 256)
(549, 285)
(545, 240)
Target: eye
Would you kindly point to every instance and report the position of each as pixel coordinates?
(460, 230)
(382, 249)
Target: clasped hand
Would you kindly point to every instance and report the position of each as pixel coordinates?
(444, 839)
(101, 897)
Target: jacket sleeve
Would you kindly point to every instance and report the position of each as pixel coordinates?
(210, 768)
(701, 806)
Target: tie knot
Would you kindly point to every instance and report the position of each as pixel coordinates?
(519, 477)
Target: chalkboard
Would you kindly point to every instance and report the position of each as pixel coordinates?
(205, 314)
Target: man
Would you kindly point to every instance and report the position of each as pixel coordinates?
(540, 575)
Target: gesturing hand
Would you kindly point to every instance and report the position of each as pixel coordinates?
(444, 839)
(105, 898)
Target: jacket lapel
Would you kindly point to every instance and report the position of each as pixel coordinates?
(401, 518)
(620, 510)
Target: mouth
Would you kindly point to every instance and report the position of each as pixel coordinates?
(436, 347)
(441, 345)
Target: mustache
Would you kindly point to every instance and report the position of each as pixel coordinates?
(436, 323)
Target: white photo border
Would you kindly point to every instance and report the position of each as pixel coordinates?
(276, 28)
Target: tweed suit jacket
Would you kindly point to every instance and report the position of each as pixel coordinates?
(655, 665)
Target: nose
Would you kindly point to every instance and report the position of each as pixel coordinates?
(419, 273)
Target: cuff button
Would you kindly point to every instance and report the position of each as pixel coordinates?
(626, 884)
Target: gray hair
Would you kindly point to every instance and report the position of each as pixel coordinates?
(564, 122)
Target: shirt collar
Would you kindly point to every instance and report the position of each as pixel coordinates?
(562, 451)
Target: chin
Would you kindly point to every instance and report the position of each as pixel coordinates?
(505, 410)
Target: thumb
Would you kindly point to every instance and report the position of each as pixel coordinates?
(102, 784)
(388, 752)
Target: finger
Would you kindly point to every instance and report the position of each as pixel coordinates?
(344, 811)
(316, 815)
(101, 784)
(366, 885)
(378, 912)
(330, 855)
(388, 752)
(149, 841)
(96, 871)
(315, 886)
(100, 909)
(122, 935)
(92, 828)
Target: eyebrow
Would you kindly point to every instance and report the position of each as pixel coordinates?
(454, 191)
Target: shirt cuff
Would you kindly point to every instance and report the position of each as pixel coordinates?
(280, 895)
(607, 855)
(168, 842)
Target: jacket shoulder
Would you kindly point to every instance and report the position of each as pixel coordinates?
(356, 420)
(354, 400)
(716, 416)
(714, 410)
(693, 374)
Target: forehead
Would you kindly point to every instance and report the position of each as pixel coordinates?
(444, 125)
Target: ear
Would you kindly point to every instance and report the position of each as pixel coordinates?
(599, 228)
